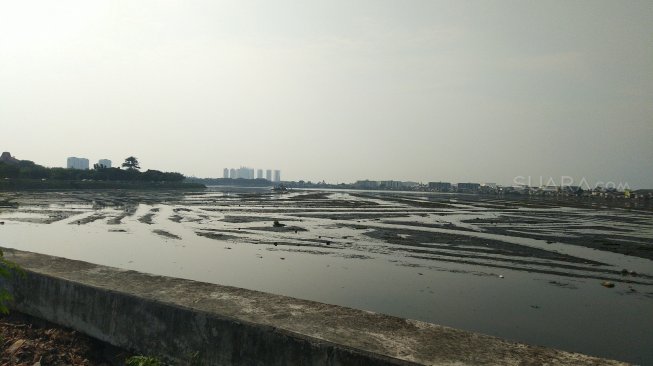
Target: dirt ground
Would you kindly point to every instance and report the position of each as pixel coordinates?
(29, 341)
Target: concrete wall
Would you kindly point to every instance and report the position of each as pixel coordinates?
(174, 318)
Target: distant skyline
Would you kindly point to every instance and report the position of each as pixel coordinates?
(457, 91)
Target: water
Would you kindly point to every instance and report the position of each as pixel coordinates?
(528, 272)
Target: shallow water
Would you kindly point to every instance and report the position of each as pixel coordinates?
(529, 273)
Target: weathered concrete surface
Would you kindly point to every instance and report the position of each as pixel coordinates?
(174, 318)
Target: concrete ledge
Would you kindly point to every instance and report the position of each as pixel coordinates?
(174, 318)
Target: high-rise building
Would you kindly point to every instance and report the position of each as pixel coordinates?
(104, 163)
(225, 173)
(242, 172)
(246, 173)
(268, 175)
(277, 176)
(77, 163)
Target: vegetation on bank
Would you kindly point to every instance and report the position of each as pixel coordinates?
(26, 169)
(27, 175)
(37, 184)
(7, 269)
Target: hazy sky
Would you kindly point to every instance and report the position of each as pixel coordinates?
(335, 90)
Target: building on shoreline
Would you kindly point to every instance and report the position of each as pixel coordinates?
(366, 184)
(245, 173)
(440, 186)
(77, 163)
(249, 173)
(468, 187)
(385, 184)
(104, 163)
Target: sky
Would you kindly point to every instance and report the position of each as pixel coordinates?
(481, 91)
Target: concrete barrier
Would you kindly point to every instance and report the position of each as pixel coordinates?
(175, 319)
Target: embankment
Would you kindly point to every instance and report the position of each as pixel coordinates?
(175, 319)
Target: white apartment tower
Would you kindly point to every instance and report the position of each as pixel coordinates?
(77, 163)
(105, 163)
(249, 173)
(245, 172)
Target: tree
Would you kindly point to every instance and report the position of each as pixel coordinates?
(131, 163)
(9, 170)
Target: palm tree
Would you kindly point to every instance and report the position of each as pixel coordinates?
(131, 163)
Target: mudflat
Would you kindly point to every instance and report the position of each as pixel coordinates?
(575, 276)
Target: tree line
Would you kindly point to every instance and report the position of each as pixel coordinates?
(26, 169)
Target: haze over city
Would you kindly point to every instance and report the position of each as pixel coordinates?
(336, 91)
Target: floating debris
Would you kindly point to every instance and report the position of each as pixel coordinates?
(563, 285)
(607, 284)
(625, 272)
